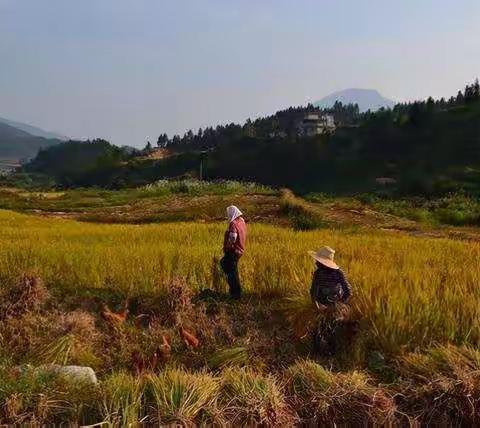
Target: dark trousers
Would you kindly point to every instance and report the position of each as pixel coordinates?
(329, 329)
(229, 265)
(325, 338)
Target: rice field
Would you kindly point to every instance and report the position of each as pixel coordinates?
(416, 299)
(411, 291)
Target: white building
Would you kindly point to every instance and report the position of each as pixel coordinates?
(315, 123)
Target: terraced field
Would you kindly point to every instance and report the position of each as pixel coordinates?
(413, 356)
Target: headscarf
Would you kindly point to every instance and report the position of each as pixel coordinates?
(233, 212)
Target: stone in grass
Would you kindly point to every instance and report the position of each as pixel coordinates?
(74, 373)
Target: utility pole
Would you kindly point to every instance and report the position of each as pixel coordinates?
(203, 157)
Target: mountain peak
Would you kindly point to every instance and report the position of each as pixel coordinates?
(367, 99)
(32, 130)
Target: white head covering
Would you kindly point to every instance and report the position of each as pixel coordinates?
(233, 212)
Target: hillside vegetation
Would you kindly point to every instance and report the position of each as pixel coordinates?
(426, 148)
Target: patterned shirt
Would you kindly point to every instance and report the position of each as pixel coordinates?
(329, 286)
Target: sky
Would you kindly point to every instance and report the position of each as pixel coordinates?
(128, 70)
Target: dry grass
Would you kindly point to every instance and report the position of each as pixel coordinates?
(178, 396)
(122, 400)
(409, 294)
(321, 396)
(32, 397)
(407, 291)
(252, 398)
(442, 385)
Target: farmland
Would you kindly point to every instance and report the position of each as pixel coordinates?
(415, 302)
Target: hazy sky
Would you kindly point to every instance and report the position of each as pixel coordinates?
(127, 70)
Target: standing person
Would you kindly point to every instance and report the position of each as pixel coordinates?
(233, 249)
(330, 291)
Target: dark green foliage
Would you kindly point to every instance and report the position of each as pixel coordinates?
(300, 214)
(423, 152)
(78, 163)
(456, 209)
(423, 148)
(282, 124)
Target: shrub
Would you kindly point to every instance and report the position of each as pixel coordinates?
(300, 214)
(197, 187)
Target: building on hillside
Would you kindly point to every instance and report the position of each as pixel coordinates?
(278, 134)
(385, 181)
(315, 123)
(303, 122)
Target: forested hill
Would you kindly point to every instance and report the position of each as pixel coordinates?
(425, 152)
(17, 144)
(427, 148)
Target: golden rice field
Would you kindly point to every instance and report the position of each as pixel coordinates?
(408, 291)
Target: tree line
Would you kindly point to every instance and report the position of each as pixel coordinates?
(282, 121)
(425, 147)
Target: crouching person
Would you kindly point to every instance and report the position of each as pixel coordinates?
(233, 249)
(330, 291)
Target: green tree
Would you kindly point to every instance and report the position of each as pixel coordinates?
(162, 140)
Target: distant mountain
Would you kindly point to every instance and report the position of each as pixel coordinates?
(33, 130)
(367, 99)
(16, 144)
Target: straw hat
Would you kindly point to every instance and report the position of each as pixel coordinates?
(324, 256)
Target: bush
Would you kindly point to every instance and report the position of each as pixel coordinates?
(301, 216)
(458, 217)
(198, 188)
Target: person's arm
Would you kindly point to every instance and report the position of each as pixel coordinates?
(231, 237)
(312, 288)
(346, 287)
(313, 292)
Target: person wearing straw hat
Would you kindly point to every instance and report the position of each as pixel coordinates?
(330, 290)
(233, 249)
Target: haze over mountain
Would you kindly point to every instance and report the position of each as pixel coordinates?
(367, 99)
(16, 144)
(32, 130)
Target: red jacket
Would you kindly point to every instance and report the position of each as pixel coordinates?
(235, 236)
